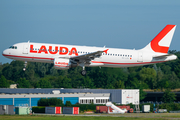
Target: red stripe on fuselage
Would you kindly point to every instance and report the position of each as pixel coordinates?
(91, 61)
(28, 57)
(126, 63)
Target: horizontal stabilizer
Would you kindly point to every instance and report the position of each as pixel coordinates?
(162, 56)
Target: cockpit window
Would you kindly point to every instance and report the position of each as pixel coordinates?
(13, 47)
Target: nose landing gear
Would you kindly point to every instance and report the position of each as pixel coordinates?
(25, 64)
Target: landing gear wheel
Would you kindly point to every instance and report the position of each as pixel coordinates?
(83, 72)
(25, 64)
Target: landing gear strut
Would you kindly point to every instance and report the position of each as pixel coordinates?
(25, 64)
(83, 72)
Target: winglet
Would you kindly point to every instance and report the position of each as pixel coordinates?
(106, 51)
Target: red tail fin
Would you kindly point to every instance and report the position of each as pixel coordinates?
(162, 41)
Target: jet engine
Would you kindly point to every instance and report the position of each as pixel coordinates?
(61, 63)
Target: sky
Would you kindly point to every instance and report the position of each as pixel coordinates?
(125, 24)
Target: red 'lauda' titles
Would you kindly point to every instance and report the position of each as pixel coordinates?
(73, 51)
(55, 51)
(62, 50)
(31, 49)
(43, 49)
(61, 63)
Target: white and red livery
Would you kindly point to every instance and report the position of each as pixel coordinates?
(66, 56)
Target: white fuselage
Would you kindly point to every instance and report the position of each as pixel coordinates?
(42, 52)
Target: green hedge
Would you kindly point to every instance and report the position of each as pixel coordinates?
(38, 109)
(170, 106)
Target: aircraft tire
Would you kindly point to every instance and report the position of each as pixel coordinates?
(83, 72)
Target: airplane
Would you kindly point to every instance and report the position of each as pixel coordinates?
(67, 56)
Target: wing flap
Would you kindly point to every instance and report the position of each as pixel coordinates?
(90, 56)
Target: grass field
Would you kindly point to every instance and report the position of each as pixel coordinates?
(133, 116)
(71, 118)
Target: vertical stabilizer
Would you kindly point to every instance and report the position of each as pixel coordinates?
(162, 41)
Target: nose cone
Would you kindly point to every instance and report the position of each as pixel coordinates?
(5, 52)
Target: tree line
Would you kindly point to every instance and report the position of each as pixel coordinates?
(43, 75)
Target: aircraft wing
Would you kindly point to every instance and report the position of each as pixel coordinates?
(86, 58)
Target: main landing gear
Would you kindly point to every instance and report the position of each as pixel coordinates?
(25, 64)
(83, 72)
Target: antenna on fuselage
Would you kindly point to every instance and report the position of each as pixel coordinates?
(104, 46)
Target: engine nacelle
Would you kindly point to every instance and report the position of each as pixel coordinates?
(61, 63)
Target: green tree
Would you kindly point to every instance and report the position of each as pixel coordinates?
(119, 84)
(142, 94)
(23, 83)
(148, 75)
(50, 102)
(44, 83)
(168, 96)
(3, 82)
(55, 102)
(68, 104)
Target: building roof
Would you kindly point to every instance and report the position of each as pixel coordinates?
(115, 94)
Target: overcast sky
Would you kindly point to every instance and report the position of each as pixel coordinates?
(115, 23)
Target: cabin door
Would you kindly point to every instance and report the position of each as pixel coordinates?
(140, 57)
